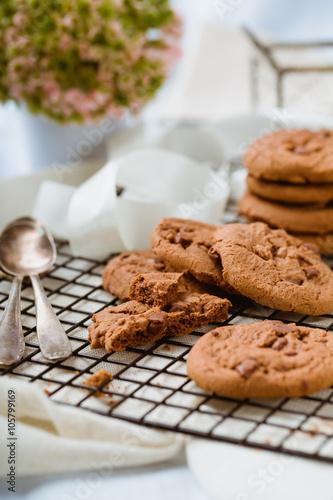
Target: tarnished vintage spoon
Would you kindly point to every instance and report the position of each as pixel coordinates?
(11, 335)
(27, 249)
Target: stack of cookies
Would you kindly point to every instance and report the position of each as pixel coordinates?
(290, 184)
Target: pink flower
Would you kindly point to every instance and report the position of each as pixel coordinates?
(20, 64)
(171, 55)
(72, 95)
(65, 42)
(92, 32)
(116, 28)
(10, 36)
(20, 19)
(113, 110)
(68, 21)
(118, 3)
(100, 98)
(52, 92)
(85, 51)
(175, 28)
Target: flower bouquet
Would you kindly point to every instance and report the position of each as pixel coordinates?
(78, 61)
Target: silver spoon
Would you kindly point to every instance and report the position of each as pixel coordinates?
(27, 249)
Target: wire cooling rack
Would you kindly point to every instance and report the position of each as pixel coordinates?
(150, 385)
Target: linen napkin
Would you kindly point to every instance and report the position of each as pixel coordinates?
(55, 438)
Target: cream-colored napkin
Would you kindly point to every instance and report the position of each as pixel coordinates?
(55, 438)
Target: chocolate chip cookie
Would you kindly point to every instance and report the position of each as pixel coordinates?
(269, 359)
(274, 269)
(293, 218)
(185, 245)
(296, 156)
(295, 194)
(134, 323)
(120, 271)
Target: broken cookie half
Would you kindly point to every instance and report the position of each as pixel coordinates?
(134, 323)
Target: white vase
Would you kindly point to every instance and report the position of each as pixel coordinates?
(32, 142)
(49, 143)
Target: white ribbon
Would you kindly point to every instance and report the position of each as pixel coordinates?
(156, 183)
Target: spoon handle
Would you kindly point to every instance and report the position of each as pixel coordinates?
(11, 335)
(53, 341)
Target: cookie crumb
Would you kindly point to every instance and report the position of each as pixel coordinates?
(97, 379)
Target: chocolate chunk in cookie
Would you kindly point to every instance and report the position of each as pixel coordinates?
(236, 362)
(134, 323)
(274, 269)
(247, 367)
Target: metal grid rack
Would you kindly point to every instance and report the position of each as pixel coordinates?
(150, 385)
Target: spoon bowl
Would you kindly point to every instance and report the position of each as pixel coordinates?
(26, 248)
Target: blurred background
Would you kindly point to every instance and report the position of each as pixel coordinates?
(223, 71)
